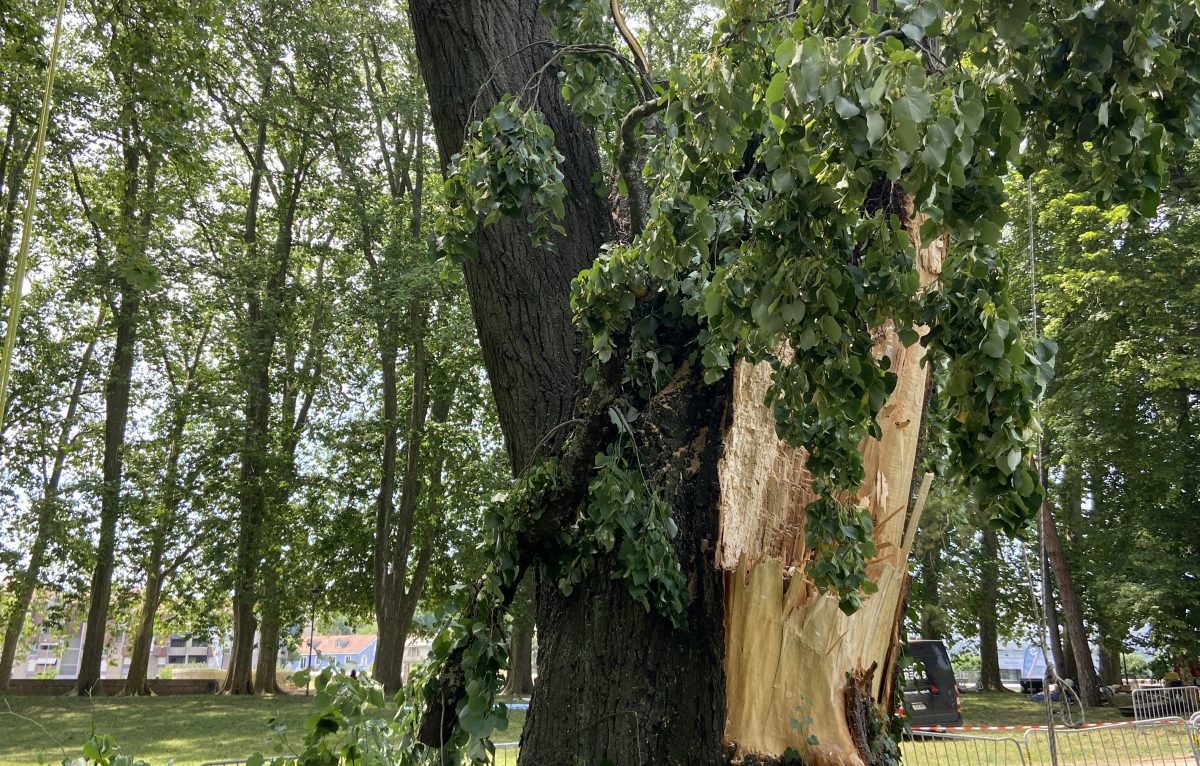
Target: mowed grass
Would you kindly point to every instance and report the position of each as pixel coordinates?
(193, 730)
(190, 730)
(1012, 709)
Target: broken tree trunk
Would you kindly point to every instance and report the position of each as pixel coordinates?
(788, 648)
(616, 682)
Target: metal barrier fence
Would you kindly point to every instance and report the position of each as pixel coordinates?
(1170, 702)
(506, 754)
(1161, 742)
(944, 749)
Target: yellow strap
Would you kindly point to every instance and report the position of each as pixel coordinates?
(14, 290)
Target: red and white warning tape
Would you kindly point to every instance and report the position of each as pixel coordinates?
(943, 729)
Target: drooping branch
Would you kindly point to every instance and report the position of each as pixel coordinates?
(627, 161)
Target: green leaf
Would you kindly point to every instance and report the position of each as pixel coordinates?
(777, 88)
(845, 108)
(875, 126)
(785, 53)
(782, 181)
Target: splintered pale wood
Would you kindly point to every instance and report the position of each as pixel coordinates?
(788, 648)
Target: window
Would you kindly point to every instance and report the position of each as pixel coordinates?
(176, 659)
(197, 659)
(199, 642)
(178, 642)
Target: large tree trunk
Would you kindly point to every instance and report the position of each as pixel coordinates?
(266, 680)
(618, 682)
(989, 654)
(116, 395)
(788, 646)
(1085, 676)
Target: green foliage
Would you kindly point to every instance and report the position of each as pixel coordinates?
(349, 724)
(1136, 666)
(1120, 298)
(102, 750)
(840, 538)
(623, 513)
(507, 167)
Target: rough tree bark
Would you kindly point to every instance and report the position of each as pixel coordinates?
(617, 682)
(989, 586)
(116, 414)
(27, 581)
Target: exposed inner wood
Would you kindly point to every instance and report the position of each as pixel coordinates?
(788, 648)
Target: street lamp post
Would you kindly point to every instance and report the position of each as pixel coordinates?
(312, 625)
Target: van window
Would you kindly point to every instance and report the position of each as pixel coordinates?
(930, 670)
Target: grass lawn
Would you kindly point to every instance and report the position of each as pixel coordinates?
(1012, 709)
(192, 730)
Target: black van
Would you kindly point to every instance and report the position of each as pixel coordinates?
(930, 691)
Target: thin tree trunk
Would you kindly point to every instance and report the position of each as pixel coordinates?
(137, 682)
(989, 654)
(157, 571)
(256, 361)
(1086, 678)
(26, 587)
(16, 156)
(397, 599)
(37, 552)
(1058, 652)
